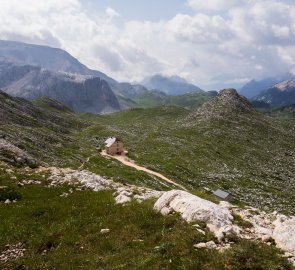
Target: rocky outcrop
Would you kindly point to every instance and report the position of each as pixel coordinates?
(87, 180)
(220, 219)
(284, 233)
(80, 93)
(228, 103)
(14, 155)
(193, 208)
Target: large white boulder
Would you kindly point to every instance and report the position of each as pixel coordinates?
(284, 233)
(192, 208)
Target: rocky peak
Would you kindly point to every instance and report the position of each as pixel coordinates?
(227, 103)
(279, 95)
(231, 99)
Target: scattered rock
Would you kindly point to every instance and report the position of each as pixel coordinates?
(64, 195)
(200, 245)
(28, 182)
(211, 245)
(265, 238)
(121, 199)
(201, 231)
(7, 201)
(105, 231)
(12, 252)
(87, 180)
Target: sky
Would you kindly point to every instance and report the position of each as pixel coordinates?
(212, 43)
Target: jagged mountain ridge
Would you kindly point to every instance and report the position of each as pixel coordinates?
(81, 93)
(254, 87)
(57, 60)
(46, 57)
(279, 95)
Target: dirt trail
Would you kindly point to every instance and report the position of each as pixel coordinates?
(127, 162)
(84, 162)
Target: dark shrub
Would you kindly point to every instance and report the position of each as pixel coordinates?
(9, 193)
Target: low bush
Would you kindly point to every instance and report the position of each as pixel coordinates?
(8, 193)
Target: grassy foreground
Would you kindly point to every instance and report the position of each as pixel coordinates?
(64, 233)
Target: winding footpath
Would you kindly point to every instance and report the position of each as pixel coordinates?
(127, 162)
(85, 161)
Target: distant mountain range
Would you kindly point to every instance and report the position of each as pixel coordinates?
(33, 71)
(58, 60)
(279, 95)
(254, 87)
(169, 85)
(46, 57)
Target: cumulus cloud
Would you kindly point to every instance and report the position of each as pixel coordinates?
(111, 13)
(110, 59)
(215, 5)
(222, 44)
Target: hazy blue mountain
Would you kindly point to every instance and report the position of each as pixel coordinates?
(254, 87)
(56, 60)
(170, 85)
(281, 94)
(81, 93)
(131, 90)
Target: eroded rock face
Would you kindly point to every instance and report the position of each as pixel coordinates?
(192, 208)
(284, 234)
(81, 93)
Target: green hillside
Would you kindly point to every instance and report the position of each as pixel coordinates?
(244, 152)
(156, 98)
(223, 144)
(287, 113)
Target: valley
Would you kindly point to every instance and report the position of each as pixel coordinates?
(65, 205)
(219, 145)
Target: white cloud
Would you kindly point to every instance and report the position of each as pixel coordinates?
(252, 39)
(111, 13)
(213, 5)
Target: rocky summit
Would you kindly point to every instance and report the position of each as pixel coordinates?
(228, 103)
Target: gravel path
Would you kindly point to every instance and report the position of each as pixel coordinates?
(127, 162)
